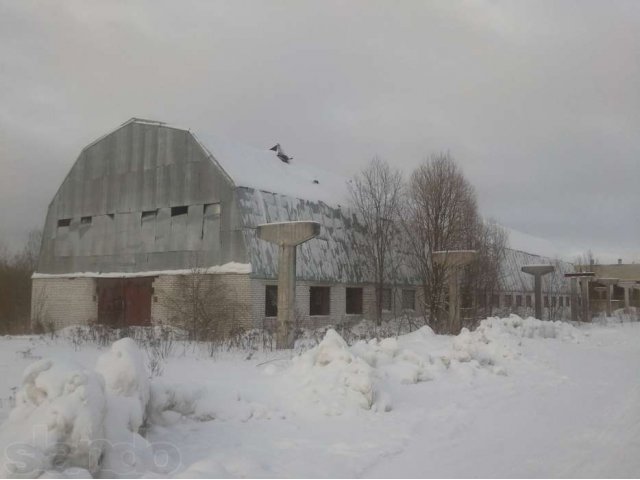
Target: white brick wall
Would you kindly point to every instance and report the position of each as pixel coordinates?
(337, 306)
(64, 301)
(69, 301)
(236, 288)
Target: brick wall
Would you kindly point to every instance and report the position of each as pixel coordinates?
(231, 295)
(63, 301)
(337, 306)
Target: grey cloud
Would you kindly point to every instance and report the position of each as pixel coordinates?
(537, 100)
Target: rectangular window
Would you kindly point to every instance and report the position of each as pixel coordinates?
(561, 300)
(149, 214)
(175, 211)
(553, 301)
(494, 300)
(386, 299)
(507, 300)
(528, 300)
(64, 222)
(85, 220)
(319, 300)
(408, 299)
(354, 301)
(271, 301)
(518, 300)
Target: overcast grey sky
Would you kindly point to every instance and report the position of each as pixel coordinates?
(538, 101)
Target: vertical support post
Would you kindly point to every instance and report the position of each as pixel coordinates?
(287, 235)
(574, 299)
(626, 297)
(586, 302)
(538, 291)
(609, 306)
(538, 271)
(286, 293)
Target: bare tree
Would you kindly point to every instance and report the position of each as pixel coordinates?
(441, 214)
(483, 279)
(585, 262)
(15, 284)
(376, 195)
(203, 305)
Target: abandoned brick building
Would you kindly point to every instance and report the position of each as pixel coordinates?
(147, 203)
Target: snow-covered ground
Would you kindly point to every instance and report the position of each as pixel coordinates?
(514, 398)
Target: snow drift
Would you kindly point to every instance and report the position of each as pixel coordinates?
(58, 421)
(69, 420)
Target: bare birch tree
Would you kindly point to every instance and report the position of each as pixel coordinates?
(483, 278)
(441, 214)
(376, 195)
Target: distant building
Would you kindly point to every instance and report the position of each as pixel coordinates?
(147, 203)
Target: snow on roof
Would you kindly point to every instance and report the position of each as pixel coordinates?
(535, 245)
(261, 169)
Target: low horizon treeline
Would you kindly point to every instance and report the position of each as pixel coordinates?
(15, 284)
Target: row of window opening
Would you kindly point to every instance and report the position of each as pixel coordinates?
(320, 300)
(207, 209)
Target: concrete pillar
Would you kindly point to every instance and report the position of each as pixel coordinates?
(287, 235)
(586, 302)
(627, 297)
(608, 284)
(538, 271)
(453, 261)
(574, 299)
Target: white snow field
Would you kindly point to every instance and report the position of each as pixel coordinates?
(514, 398)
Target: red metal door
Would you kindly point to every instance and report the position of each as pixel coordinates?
(137, 299)
(110, 301)
(124, 301)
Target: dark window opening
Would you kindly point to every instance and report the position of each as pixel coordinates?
(507, 300)
(494, 300)
(354, 301)
(553, 301)
(64, 222)
(183, 210)
(149, 214)
(111, 215)
(271, 301)
(482, 300)
(386, 299)
(518, 300)
(319, 300)
(408, 299)
(85, 220)
(561, 302)
(528, 300)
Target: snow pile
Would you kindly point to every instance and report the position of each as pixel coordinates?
(499, 339)
(58, 422)
(69, 418)
(392, 361)
(333, 378)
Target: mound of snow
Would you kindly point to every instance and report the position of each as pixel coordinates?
(69, 420)
(499, 339)
(58, 422)
(334, 379)
(127, 379)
